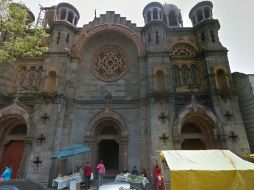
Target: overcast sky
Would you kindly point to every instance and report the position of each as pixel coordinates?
(236, 19)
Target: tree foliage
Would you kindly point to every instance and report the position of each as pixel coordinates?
(18, 37)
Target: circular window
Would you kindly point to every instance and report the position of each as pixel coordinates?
(109, 63)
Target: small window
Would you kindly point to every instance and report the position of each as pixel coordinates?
(160, 81)
(221, 79)
(58, 38)
(70, 17)
(203, 36)
(148, 16)
(63, 14)
(199, 15)
(176, 76)
(212, 36)
(194, 76)
(155, 14)
(172, 18)
(51, 81)
(207, 12)
(185, 75)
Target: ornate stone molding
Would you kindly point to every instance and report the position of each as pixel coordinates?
(81, 40)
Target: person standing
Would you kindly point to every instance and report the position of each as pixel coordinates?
(87, 174)
(6, 175)
(134, 171)
(160, 181)
(101, 171)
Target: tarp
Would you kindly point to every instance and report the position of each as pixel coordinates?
(208, 170)
(70, 151)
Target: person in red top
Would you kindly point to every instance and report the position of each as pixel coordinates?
(160, 181)
(155, 174)
(87, 174)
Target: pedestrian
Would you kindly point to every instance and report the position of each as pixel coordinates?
(134, 171)
(101, 172)
(87, 174)
(160, 181)
(6, 175)
(155, 175)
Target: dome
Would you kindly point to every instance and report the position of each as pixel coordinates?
(67, 12)
(153, 12)
(201, 11)
(172, 15)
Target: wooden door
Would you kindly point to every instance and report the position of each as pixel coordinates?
(12, 156)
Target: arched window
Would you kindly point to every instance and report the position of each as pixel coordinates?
(194, 76)
(160, 81)
(172, 18)
(70, 17)
(221, 79)
(63, 14)
(207, 12)
(39, 75)
(21, 78)
(199, 15)
(176, 76)
(51, 81)
(31, 80)
(155, 14)
(148, 16)
(185, 75)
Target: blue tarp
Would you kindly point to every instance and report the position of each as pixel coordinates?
(70, 151)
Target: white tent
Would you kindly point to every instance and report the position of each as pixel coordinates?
(208, 170)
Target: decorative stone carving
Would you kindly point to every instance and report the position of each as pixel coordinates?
(183, 49)
(110, 63)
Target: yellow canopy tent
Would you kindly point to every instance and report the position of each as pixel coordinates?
(208, 170)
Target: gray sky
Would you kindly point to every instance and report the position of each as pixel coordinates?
(236, 19)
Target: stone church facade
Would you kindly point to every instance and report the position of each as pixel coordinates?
(126, 92)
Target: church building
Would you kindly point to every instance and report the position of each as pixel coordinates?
(124, 91)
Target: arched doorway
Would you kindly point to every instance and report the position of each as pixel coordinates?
(197, 133)
(193, 137)
(108, 151)
(12, 143)
(109, 143)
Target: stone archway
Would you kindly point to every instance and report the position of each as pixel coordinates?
(197, 132)
(15, 125)
(12, 143)
(211, 133)
(108, 139)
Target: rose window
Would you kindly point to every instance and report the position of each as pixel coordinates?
(110, 63)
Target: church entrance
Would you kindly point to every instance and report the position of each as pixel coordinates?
(109, 142)
(12, 144)
(197, 133)
(108, 151)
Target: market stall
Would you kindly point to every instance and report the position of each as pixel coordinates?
(207, 169)
(138, 181)
(71, 181)
(64, 181)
